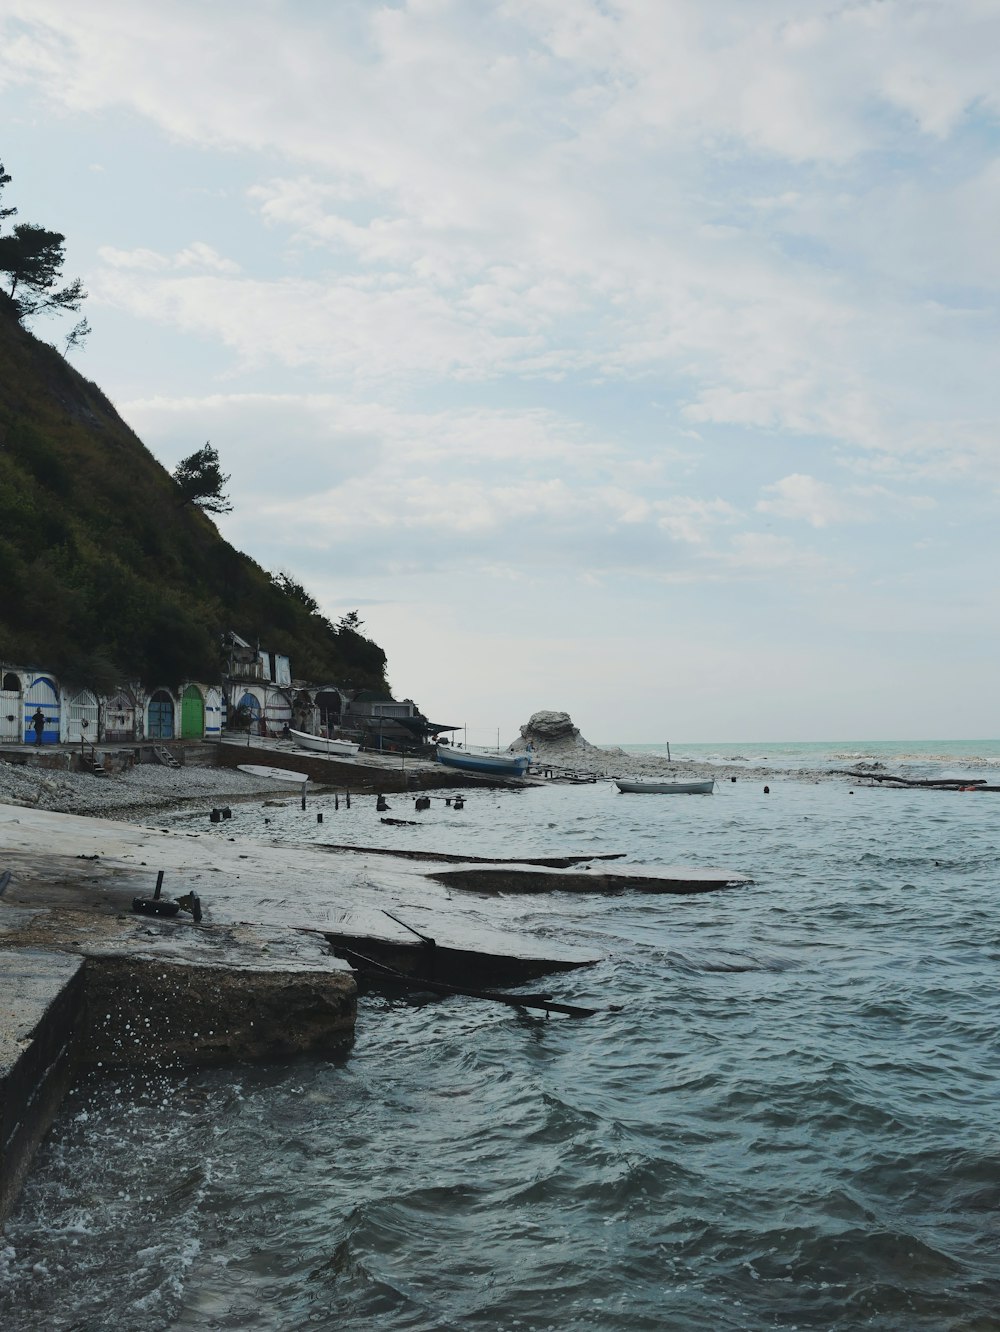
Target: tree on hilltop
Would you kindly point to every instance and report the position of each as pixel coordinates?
(201, 481)
(32, 258)
(294, 589)
(5, 180)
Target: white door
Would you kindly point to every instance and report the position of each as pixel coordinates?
(81, 718)
(213, 714)
(10, 709)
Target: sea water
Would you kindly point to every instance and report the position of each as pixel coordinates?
(785, 1115)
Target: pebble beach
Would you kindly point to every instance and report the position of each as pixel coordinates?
(146, 787)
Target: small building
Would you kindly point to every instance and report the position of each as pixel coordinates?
(257, 687)
(384, 721)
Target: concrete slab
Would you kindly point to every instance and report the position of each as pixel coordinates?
(41, 1024)
(535, 878)
(103, 864)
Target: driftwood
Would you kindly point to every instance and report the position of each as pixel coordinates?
(934, 784)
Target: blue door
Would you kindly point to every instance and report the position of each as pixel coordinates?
(251, 705)
(42, 693)
(161, 716)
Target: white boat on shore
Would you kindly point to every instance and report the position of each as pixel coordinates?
(652, 786)
(274, 774)
(500, 765)
(325, 745)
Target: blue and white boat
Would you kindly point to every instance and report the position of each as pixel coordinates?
(499, 765)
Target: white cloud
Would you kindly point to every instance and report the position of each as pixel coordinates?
(804, 497)
(535, 189)
(542, 296)
(382, 489)
(197, 255)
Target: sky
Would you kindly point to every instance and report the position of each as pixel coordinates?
(630, 358)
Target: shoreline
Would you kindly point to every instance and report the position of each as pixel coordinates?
(147, 788)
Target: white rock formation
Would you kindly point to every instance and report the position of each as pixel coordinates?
(553, 736)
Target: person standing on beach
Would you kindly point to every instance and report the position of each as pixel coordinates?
(38, 722)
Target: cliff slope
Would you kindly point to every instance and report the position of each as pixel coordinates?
(104, 575)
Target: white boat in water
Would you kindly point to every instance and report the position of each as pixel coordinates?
(336, 748)
(500, 765)
(651, 786)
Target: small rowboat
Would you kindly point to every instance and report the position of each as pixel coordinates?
(336, 748)
(651, 786)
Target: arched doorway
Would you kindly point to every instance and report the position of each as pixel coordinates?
(330, 705)
(160, 715)
(81, 717)
(10, 707)
(278, 712)
(192, 713)
(249, 707)
(42, 693)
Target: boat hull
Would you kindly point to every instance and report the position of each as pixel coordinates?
(636, 787)
(335, 748)
(274, 774)
(497, 765)
(455, 966)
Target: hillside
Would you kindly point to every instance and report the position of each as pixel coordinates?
(104, 575)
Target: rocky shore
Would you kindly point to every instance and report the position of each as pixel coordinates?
(556, 746)
(145, 787)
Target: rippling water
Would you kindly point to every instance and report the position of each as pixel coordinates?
(786, 1116)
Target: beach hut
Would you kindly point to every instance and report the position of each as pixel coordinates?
(79, 717)
(213, 713)
(192, 713)
(42, 692)
(160, 716)
(118, 715)
(11, 707)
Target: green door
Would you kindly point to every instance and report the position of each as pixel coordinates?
(192, 714)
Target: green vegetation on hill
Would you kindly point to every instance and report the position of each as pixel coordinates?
(105, 573)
